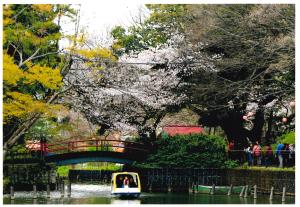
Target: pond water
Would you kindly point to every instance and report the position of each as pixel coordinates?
(100, 194)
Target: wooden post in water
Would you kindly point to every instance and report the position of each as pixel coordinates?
(12, 193)
(104, 179)
(190, 187)
(193, 187)
(48, 191)
(230, 190)
(254, 201)
(255, 192)
(58, 184)
(246, 192)
(169, 189)
(271, 193)
(212, 192)
(69, 189)
(283, 194)
(150, 186)
(58, 181)
(168, 184)
(62, 189)
(242, 191)
(34, 192)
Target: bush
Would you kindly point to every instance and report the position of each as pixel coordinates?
(19, 149)
(63, 171)
(231, 164)
(288, 138)
(188, 151)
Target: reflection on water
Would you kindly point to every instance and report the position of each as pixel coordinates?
(100, 194)
(125, 202)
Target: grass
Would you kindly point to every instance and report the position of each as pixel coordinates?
(263, 168)
(64, 170)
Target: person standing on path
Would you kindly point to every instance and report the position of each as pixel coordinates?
(285, 155)
(249, 156)
(231, 150)
(257, 153)
(292, 155)
(278, 153)
(269, 155)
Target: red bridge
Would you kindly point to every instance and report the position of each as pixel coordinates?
(88, 150)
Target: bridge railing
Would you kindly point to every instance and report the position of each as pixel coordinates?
(79, 146)
(96, 145)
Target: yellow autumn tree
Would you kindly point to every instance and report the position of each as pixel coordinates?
(33, 66)
(19, 105)
(32, 78)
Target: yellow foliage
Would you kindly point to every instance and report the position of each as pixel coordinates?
(7, 12)
(117, 46)
(20, 105)
(76, 40)
(11, 72)
(48, 77)
(103, 53)
(43, 7)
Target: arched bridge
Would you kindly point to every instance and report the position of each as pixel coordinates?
(89, 150)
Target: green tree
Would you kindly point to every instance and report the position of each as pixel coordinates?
(190, 151)
(164, 21)
(256, 63)
(244, 54)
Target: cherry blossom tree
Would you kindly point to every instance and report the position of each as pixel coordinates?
(133, 93)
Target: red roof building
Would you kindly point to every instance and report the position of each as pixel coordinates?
(173, 130)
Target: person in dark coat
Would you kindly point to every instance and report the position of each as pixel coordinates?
(285, 154)
(269, 155)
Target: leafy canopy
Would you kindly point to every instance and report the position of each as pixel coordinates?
(28, 80)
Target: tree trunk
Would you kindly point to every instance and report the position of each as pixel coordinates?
(26, 125)
(256, 132)
(232, 124)
(269, 130)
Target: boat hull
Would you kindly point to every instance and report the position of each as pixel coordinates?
(218, 189)
(127, 195)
